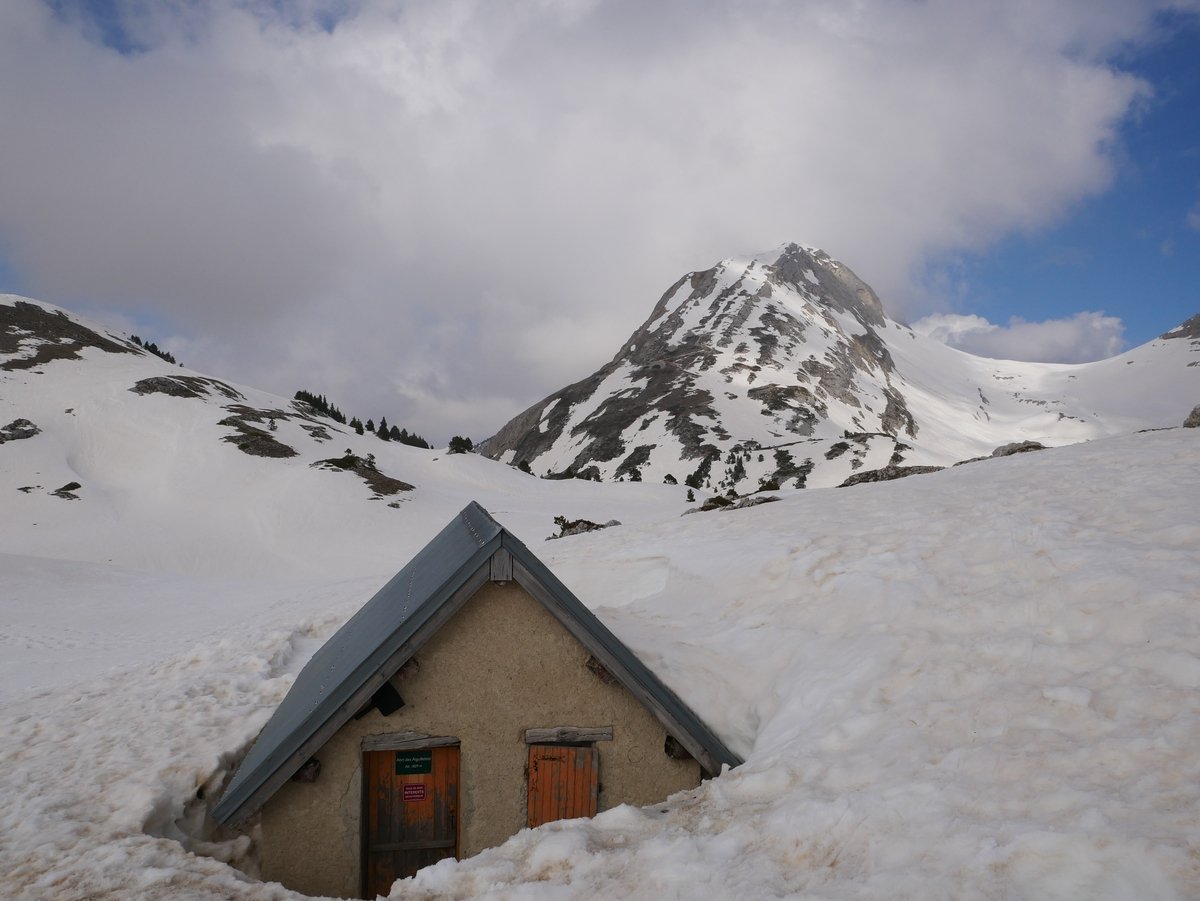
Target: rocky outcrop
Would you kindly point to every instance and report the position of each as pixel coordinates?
(185, 386)
(31, 335)
(67, 491)
(1193, 418)
(249, 438)
(568, 527)
(1018, 447)
(888, 474)
(17, 430)
(365, 469)
(1189, 330)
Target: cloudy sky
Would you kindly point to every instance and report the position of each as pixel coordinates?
(442, 210)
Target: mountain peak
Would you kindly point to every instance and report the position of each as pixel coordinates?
(812, 272)
(782, 368)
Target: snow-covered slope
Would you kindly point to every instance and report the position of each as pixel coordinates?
(783, 367)
(979, 683)
(194, 474)
(982, 683)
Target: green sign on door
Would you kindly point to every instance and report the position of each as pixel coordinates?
(414, 763)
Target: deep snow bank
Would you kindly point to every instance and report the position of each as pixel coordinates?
(979, 683)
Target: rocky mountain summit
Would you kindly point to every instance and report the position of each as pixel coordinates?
(783, 370)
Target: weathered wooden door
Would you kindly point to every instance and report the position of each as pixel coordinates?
(564, 782)
(410, 818)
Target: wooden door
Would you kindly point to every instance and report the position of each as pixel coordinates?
(410, 816)
(564, 782)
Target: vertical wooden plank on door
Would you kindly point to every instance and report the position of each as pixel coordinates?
(563, 782)
(412, 813)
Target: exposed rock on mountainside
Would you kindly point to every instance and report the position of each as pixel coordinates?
(783, 368)
(184, 386)
(67, 491)
(365, 469)
(249, 438)
(48, 352)
(568, 527)
(1018, 447)
(790, 339)
(18, 429)
(888, 474)
(31, 335)
(1189, 330)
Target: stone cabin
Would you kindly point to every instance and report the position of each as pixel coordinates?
(471, 697)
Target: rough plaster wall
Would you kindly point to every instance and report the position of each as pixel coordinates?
(502, 665)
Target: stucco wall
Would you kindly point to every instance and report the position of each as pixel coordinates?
(502, 665)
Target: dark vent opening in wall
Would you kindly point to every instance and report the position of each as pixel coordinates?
(387, 701)
(676, 751)
(597, 669)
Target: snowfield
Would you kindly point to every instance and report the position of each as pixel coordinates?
(980, 683)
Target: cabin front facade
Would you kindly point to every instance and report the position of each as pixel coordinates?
(488, 699)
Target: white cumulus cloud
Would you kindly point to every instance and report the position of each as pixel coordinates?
(1076, 339)
(442, 210)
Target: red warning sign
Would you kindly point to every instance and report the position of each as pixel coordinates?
(414, 791)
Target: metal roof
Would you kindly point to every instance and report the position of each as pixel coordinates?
(364, 653)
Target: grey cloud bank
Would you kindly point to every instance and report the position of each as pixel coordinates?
(443, 211)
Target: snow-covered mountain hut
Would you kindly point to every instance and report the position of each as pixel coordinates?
(472, 696)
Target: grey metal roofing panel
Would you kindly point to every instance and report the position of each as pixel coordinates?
(360, 647)
(397, 612)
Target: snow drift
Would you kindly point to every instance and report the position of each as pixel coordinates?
(979, 683)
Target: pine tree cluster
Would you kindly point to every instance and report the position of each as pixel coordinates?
(153, 348)
(319, 403)
(384, 431)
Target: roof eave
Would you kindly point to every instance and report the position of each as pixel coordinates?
(376, 669)
(674, 715)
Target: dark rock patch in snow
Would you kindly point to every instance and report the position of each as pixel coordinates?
(365, 469)
(67, 491)
(631, 466)
(836, 450)
(184, 386)
(721, 502)
(1193, 418)
(258, 443)
(317, 432)
(18, 429)
(578, 526)
(250, 439)
(887, 474)
(896, 416)
(787, 468)
(1189, 329)
(1007, 450)
(1018, 447)
(40, 335)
